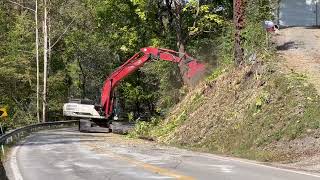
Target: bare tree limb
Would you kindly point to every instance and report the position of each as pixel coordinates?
(22, 6)
(60, 37)
(29, 52)
(19, 104)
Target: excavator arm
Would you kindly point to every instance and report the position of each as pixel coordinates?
(138, 60)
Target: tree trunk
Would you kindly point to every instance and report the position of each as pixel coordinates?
(82, 78)
(45, 61)
(239, 21)
(37, 59)
(181, 40)
(49, 45)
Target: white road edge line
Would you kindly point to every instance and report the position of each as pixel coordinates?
(261, 165)
(14, 164)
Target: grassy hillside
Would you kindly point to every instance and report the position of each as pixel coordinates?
(260, 111)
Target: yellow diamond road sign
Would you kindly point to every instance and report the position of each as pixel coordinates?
(3, 113)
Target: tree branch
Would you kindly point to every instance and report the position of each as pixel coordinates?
(29, 52)
(22, 6)
(197, 14)
(65, 31)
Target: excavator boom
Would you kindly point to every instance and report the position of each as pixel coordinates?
(138, 60)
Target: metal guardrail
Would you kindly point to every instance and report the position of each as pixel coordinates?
(19, 133)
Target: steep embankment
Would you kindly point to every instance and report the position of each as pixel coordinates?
(259, 112)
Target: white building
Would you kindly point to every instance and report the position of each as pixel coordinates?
(299, 13)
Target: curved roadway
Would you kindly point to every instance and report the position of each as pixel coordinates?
(66, 154)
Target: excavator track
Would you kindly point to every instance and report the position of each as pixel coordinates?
(88, 126)
(117, 127)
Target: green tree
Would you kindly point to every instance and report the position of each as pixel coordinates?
(17, 85)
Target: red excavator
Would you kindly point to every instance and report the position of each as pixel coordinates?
(101, 118)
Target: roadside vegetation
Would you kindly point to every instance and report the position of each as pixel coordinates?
(260, 111)
(254, 112)
(88, 39)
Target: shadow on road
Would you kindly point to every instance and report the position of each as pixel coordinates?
(286, 46)
(3, 175)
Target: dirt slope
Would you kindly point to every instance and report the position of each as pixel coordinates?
(258, 112)
(263, 111)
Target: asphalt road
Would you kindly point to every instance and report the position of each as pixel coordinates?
(66, 154)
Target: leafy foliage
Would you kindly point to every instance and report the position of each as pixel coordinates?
(16, 71)
(90, 38)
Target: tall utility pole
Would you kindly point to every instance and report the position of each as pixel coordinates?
(239, 7)
(45, 61)
(37, 59)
